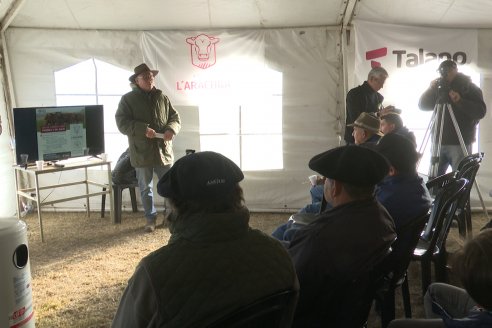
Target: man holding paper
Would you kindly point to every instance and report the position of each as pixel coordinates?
(150, 121)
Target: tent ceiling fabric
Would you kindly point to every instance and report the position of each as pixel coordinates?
(211, 14)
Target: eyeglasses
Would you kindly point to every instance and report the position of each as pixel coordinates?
(146, 76)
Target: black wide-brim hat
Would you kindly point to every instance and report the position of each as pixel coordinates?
(202, 175)
(142, 68)
(355, 165)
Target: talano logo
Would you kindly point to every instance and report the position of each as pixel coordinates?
(202, 50)
(376, 53)
(413, 59)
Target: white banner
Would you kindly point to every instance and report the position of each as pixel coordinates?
(198, 65)
(411, 55)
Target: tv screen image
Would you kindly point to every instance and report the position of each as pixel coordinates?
(59, 132)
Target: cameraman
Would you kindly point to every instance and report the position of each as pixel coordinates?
(468, 106)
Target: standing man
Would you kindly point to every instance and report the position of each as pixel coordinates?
(364, 98)
(467, 103)
(150, 121)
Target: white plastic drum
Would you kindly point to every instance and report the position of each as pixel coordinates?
(16, 308)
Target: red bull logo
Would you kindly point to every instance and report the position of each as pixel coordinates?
(202, 50)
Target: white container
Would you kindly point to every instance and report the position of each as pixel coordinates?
(16, 306)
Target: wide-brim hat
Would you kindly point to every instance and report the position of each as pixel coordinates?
(355, 165)
(201, 175)
(142, 68)
(369, 122)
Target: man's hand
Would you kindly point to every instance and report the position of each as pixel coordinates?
(168, 135)
(454, 96)
(150, 133)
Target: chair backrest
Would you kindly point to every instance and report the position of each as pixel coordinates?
(408, 236)
(435, 184)
(355, 297)
(477, 157)
(442, 213)
(273, 311)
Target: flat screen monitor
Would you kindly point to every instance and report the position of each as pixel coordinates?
(59, 132)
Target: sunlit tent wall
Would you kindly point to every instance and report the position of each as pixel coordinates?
(284, 88)
(285, 83)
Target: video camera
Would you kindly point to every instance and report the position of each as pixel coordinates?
(443, 86)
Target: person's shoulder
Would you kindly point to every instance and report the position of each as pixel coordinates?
(357, 89)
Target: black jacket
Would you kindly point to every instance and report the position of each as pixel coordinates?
(360, 99)
(468, 111)
(341, 244)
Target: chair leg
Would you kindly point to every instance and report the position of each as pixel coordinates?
(117, 191)
(468, 219)
(440, 265)
(103, 203)
(133, 198)
(405, 292)
(425, 268)
(461, 219)
(388, 307)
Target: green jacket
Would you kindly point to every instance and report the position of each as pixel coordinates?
(137, 110)
(213, 264)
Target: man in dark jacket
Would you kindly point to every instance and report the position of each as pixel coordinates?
(347, 240)
(466, 100)
(364, 98)
(214, 262)
(402, 192)
(150, 121)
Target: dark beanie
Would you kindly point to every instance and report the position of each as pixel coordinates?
(355, 165)
(399, 151)
(202, 175)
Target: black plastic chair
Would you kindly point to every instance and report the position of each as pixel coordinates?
(355, 298)
(273, 311)
(431, 246)
(397, 264)
(117, 200)
(470, 158)
(469, 171)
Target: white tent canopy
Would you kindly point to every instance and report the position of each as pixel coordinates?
(310, 44)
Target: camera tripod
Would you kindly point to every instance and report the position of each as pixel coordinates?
(435, 130)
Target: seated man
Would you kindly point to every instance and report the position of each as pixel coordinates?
(454, 307)
(286, 231)
(366, 129)
(123, 172)
(392, 123)
(402, 192)
(345, 241)
(214, 262)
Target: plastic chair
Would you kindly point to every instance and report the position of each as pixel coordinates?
(469, 171)
(354, 299)
(397, 263)
(431, 245)
(117, 199)
(470, 158)
(273, 311)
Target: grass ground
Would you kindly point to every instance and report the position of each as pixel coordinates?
(80, 271)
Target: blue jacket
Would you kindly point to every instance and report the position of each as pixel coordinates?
(405, 196)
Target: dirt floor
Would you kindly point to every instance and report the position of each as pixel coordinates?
(80, 271)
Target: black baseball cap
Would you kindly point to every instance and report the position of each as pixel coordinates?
(202, 175)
